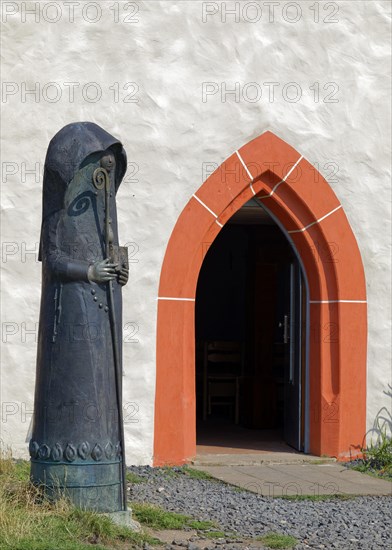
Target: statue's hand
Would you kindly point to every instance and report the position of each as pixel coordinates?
(102, 272)
(123, 275)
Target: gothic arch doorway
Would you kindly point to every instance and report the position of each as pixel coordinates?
(308, 210)
(251, 339)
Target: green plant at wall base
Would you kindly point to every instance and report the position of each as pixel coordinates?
(381, 452)
(377, 457)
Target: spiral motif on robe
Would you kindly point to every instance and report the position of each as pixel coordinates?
(80, 204)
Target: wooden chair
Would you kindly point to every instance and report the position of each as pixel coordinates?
(223, 369)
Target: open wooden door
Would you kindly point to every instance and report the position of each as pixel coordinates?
(292, 327)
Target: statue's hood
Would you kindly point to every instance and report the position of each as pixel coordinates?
(67, 151)
(74, 143)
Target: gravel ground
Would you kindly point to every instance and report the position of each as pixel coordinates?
(358, 523)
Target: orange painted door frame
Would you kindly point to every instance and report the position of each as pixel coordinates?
(309, 211)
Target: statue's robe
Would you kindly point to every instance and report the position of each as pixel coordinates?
(76, 432)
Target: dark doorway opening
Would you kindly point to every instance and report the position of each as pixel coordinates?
(250, 338)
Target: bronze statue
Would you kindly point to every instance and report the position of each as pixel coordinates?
(77, 444)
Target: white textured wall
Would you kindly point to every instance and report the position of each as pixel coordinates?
(171, 132)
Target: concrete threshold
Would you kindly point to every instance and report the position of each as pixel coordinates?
(291, 475)
(255, 459)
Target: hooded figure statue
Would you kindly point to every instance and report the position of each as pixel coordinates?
(77, 444)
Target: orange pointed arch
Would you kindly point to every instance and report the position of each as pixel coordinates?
(308, 209)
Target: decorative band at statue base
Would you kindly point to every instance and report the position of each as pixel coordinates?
(92, 486)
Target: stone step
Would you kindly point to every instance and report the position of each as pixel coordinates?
(255, 459)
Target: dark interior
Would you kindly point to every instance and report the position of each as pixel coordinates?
(240, 304)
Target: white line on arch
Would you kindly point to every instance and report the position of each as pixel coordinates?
(247, 171)
(338, 301)
(176, 299)
(314, 223)
(283, 180)
(244, 165)
(205, 206)
(209, 209)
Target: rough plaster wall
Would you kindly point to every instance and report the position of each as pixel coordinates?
(170, 133)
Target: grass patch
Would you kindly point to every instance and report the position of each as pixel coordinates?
(197, 474)
(18, 469)
(200, 525)
(275, 540)
(317, 498)
(134, 478)
(157, 518)
(380, 473)
(178, 471)
(170, 471)
(28, 521)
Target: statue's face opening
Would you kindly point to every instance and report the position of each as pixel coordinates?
(108, 161)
